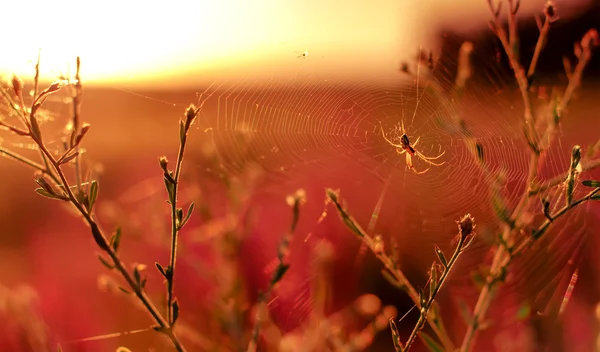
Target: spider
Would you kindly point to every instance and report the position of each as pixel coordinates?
(406, 147)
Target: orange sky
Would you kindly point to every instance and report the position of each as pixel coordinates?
(189, 41)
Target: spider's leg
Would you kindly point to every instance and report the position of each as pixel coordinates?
(430, 157)
(400, 151)
(387, 140)
(425, 159)
(415, 143)
(420, 172)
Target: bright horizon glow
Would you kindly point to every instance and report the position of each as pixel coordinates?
(193, 41)
(133, 40)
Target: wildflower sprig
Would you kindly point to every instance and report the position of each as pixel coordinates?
(514, 224)
(53, 182)
(178, 220)
(376, 245)
(466, 234)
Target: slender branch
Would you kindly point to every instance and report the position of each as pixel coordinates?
(465, 234)
(104, 245)
(22, 159)
(555, 181)
(377, 248)
(53, 168)
(176, 219)
(504, 254)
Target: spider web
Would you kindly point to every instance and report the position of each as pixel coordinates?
(309, 132)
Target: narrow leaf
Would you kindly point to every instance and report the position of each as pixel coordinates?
(433, 282)
(187, 215)
(124, 290)
(591, 183)
(182, 131)
(175, 311)
(66, 158)
(422, 299)
(396, 336)
(106, 263)
(430, 343)
(160, 269)
(115, 240)
(92, 195)
(441, 256)
(45, 193)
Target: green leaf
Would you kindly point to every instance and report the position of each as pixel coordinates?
(422, 299)
(179, 216)
(396, 336)
(187, 215)
(430, 343)
(161, 269)
(182, 131)
(591, 183)
(433, 282)
(45, 193)
(105, 262)
(441, 256)
(124, 290)
(92, 195)
(115, 240)
(175, 311)
(170, 186)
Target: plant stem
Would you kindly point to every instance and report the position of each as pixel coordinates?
(500, 265)
(104, 245)
(434, 321)
(425, 308)
(174, 229)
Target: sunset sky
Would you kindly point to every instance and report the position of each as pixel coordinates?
(186, 41)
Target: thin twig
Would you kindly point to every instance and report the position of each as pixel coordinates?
(503, 255)
(434, 321)
(176, 217)
(54, 167)
(465, 236)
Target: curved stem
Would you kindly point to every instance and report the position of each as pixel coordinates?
(104, 245)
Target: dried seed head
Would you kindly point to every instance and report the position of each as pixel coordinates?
(191, 113)
(163, 163)
(466, 226)
(549, 10)
(17, 85)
